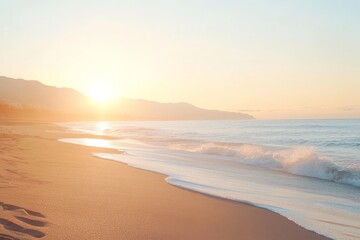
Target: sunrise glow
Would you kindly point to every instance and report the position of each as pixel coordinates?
(101, 93)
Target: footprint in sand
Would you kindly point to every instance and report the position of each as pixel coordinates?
(16, 228)
(33, 222)
(9, 207)
(7, 237)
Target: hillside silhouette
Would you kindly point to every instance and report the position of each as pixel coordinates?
(21, 98)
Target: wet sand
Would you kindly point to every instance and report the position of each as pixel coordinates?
(54, 190)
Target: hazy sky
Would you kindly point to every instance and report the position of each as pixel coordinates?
(269, 58)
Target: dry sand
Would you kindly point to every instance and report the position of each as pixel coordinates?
(54, 190)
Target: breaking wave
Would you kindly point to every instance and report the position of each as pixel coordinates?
(303, 161)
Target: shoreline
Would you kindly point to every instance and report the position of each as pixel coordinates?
(84, 197)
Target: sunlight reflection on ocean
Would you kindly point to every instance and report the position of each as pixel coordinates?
(306, 170)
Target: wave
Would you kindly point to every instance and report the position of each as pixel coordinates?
(303, 161)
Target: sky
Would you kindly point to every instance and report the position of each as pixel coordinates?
(274, 59)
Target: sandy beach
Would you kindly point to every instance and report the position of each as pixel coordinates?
(54, 190)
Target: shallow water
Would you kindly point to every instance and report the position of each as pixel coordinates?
(306, 170)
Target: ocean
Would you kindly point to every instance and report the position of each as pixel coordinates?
(305, 170)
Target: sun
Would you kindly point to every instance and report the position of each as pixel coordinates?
(101, 93)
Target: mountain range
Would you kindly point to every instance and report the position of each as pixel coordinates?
(67, 103)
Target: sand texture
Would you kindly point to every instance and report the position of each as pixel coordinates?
(54, 190)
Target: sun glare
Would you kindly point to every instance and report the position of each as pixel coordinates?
(101, 93)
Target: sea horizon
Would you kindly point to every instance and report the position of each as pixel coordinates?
(173, 120)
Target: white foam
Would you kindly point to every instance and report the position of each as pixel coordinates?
(304, 161)
(327, 208)
(283, 169)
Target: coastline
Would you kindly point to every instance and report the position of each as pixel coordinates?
(70, 194)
